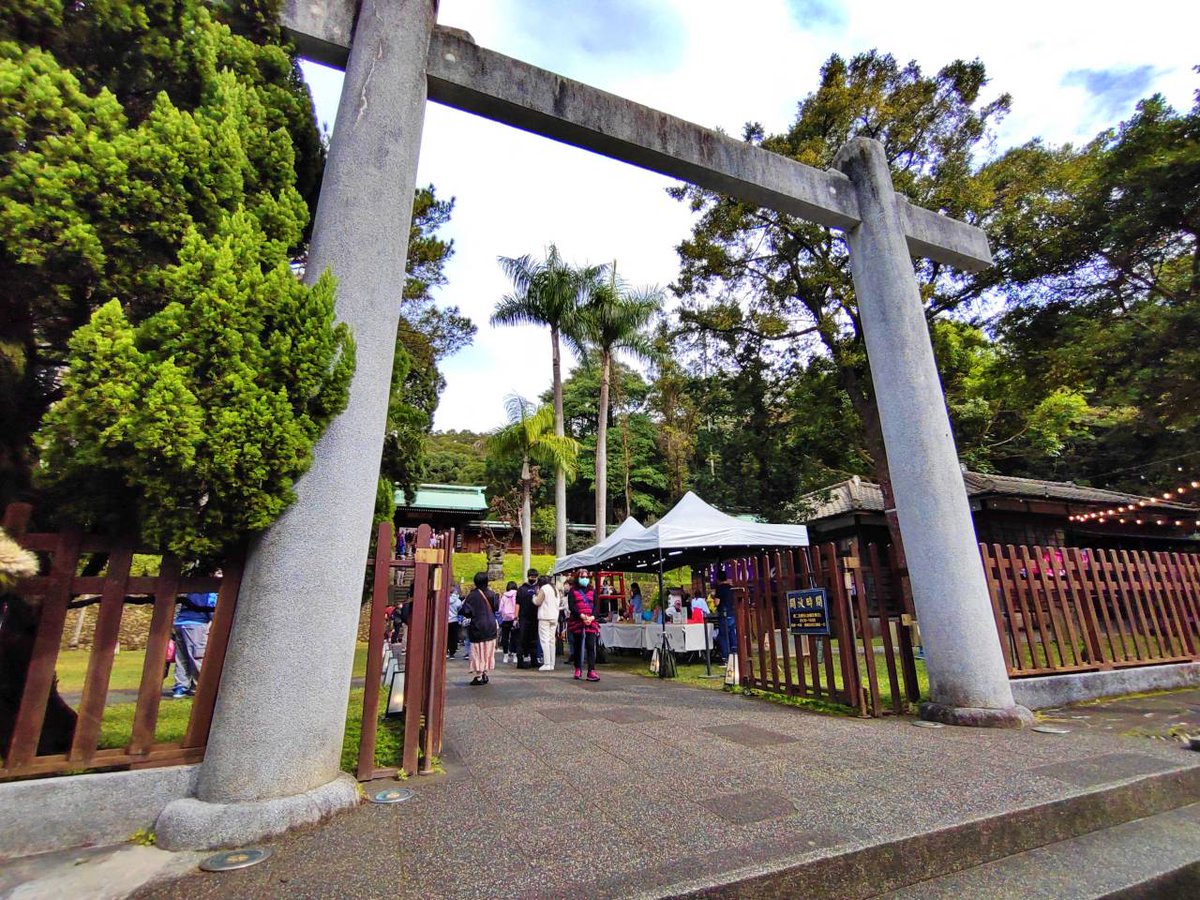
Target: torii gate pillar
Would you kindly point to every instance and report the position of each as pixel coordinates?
(272, 760)
(968, 679)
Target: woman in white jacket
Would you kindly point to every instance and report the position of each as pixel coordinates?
(547, 603)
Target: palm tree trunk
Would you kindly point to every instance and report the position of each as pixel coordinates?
(526, 517)
(625, 449)
(602, 450)
(560, 477)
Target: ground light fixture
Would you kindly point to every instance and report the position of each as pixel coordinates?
(393, 795)
(230, 860)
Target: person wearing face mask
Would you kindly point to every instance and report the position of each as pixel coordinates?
(583, 625)
(527, 614)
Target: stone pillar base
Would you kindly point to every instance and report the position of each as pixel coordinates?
(976, 717)
(191, 824)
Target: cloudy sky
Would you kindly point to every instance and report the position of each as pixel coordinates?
(1073, 68)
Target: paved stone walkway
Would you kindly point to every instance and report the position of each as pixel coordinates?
(634, 786)
(1166, 716)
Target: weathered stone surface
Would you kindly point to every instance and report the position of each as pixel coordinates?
(974, 717)
(77, 810)
(966, 667)
(277, 729)
(466, 76)
(1056, 690)
(749, 807)
(191, 824)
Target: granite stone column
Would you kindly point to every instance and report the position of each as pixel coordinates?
(968, 678)
(272, 760)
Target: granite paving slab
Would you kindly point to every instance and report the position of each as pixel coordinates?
(1104, 769)
(751, 736)
(651, 786)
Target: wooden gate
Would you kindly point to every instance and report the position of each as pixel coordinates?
(423, 662)
(50, 737)
(867, 620)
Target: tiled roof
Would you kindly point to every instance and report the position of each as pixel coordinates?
(465, 498)
(1032, 488)
(856, 495)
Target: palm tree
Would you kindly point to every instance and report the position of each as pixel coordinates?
(611, 322)
(548, 292)
(527, 437)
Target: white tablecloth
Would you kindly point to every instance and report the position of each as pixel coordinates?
(684, 638)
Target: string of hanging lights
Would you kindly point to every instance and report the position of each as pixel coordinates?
(1141, 512)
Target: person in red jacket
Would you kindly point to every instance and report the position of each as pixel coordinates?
(582, 624)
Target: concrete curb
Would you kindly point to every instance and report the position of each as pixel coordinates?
(82, 810)
(191, 824)
(1059, 690)
(873, 870)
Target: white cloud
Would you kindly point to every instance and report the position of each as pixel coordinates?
(517, 192)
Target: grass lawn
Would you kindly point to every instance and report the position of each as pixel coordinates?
(693, 675)
(127, 669)
(117, 729)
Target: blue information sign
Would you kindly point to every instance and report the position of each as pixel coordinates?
(808, 611)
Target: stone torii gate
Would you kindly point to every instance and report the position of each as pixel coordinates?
(273, 754)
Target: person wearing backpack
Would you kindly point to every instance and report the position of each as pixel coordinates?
(479, 613)
(507, 613)
(192, 617)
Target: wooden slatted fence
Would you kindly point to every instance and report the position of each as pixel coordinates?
(866, 662)
(71, 743)
(1069, 609)
(424, 660)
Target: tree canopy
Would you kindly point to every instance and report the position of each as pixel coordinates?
(153, 191)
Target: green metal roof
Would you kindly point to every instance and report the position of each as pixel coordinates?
(465, 498)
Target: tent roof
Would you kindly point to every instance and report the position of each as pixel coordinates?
(694, 533)
(584, 558)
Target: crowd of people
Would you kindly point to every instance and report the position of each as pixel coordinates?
(532, 622)
(529, 625)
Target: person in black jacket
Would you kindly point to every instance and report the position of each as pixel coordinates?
(527, 621)
(479, 613)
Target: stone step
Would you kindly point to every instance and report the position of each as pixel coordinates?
(873, 869)
(1158, 856)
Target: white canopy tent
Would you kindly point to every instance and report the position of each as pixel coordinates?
(692, 533)
(586, 559)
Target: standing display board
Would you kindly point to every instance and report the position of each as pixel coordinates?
(808, 611)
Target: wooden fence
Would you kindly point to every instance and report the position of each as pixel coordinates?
(424, 659)
(865, 662)
(1075, 610)
(45, 734)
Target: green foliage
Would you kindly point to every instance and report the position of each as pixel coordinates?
(467, 564)
(455, 457)
(530, 437)
(542, 524)
(195, 423)
(1102, 289)
(633, 444)
(426, 334)
(125, 127)
(764, 294)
